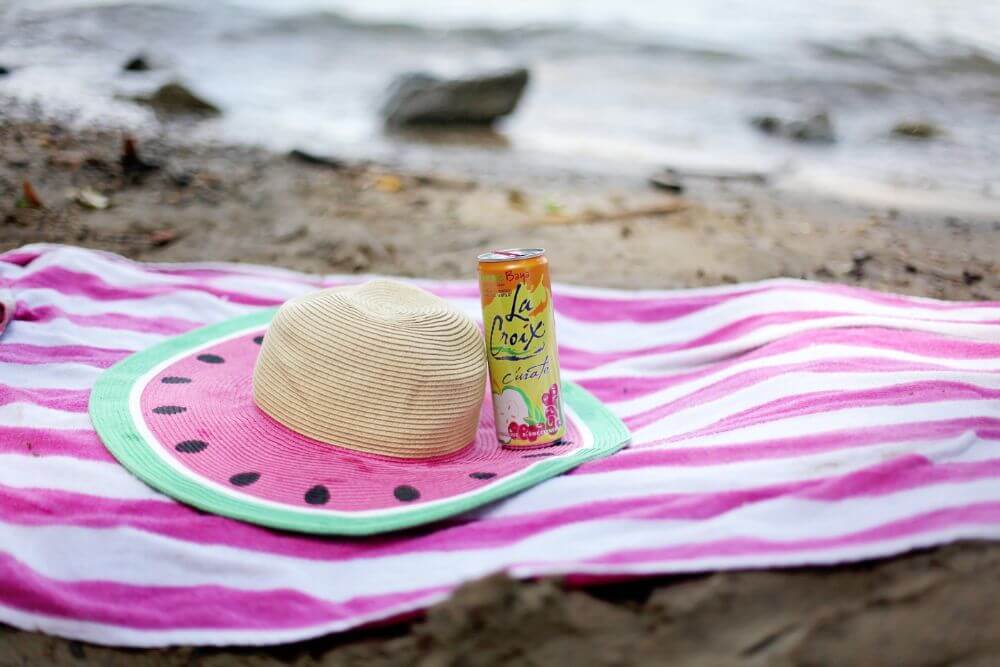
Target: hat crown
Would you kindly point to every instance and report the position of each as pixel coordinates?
(382, 368)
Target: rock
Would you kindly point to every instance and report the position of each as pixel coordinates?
(422, 99)
(4, 71)
(911, 129)
(816, 128)
(175, 99)
(92, 199)
(667, 181)
(317, 160)
(137, 63)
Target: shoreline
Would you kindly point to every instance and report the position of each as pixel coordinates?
(238, 203)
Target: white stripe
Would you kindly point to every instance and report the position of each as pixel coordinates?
(73, 475)
(836, 420)
(182, 304)
(568, 490)
(117, 635)
(146, 559)
(791, 386)
(831, 353)
(30, 414)
(63, 332)
(48, 376)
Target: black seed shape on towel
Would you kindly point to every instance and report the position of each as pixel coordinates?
(482, 475)
(537, 456)
(169, 410)
(211, 358)
(405, 493)
(191, 446)
(318, 495)
(175, 379)
(244, 478)
(258, 339)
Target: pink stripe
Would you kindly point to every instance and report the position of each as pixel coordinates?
(20, 257)
(79, 444)
(913, 342)
(828, 401)
(23, 353)
(71, 400)
(969, 515)
(176, 607)
(984, 428)
(159, 325)
(46, 507)
(92, 286)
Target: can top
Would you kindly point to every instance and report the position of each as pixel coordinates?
(511, 254)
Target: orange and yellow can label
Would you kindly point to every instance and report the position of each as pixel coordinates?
(519, 328)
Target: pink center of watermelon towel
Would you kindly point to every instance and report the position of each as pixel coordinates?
(779, 423)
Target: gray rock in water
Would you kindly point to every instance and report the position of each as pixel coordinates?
(916, 129)
(817, 128)
(4, 71)
(137, 63)
(177, 100)
(422, 99)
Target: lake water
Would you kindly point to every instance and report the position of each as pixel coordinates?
(617, 87)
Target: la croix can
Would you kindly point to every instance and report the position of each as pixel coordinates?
(521, 352)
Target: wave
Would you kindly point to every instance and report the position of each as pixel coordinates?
(902, 55)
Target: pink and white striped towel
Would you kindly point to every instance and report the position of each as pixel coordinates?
(777, 423)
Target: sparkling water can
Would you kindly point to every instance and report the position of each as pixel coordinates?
(519, 326)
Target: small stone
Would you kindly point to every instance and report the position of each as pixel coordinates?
(162, 237)
(137, 63)
(4, 71)
(816, 128)
(971, 278)
(316, 160)
(916, 130)
(92, 199)
(175, 99)
(389, 183)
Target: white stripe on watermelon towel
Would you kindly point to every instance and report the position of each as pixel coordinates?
(774, 423)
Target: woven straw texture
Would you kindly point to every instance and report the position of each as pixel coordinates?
(381, 368)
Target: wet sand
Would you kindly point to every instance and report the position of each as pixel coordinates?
(243, 204)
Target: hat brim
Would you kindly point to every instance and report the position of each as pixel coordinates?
(180, 416)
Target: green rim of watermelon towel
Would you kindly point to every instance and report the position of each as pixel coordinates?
(117, 425)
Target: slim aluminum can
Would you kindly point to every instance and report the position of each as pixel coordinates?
(521, 347)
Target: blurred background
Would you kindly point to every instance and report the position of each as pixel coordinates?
(858, 98)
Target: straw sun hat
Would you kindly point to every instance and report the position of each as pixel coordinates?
(352, 410)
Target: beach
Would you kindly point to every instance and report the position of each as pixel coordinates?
(178, 200)
(666, 153)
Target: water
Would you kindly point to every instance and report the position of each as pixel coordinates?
(617, 88)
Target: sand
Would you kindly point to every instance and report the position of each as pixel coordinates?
(234, 203)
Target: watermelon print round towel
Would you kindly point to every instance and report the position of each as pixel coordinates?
(181, 416)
